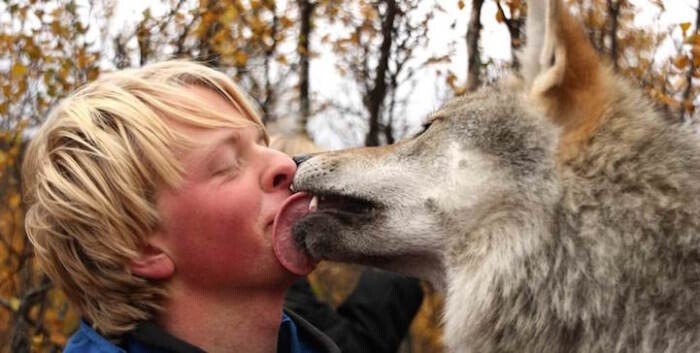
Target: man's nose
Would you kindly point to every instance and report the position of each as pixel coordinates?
(301, 159)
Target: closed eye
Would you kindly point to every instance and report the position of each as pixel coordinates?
(227, 172)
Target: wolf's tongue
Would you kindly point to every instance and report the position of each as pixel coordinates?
(287, 252)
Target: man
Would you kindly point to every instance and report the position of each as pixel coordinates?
(153, 202)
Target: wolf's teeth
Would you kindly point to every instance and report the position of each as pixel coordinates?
(313, 205)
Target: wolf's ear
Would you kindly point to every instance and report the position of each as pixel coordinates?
(544, 58)
(559, 62)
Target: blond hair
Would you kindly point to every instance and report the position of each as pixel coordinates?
(91, 175)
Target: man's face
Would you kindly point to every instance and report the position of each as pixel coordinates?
(217, 225)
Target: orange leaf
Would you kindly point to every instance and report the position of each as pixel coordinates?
(282, 59)
(681, 62)
(668, 100)
(58, 338)
(689, 106)
(695, 50)
(692, 39)
(500, 17)
(460, 4)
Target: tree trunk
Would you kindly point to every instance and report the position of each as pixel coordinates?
(121, 56)
(614, 16)
(514, 25)
(268, 102)
(207, 54)
(516, 41)
(378, 92)
(143, 36)
(691, 69)
(473, 52)
(306, 9)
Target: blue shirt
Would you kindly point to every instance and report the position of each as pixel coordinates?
(87, 340)
(288, 340)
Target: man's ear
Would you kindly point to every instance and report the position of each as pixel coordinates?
(152, 263)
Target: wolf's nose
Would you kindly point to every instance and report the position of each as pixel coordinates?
(301, 159)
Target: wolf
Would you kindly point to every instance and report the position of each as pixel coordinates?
(559, 213)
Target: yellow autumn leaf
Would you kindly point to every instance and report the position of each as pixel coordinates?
(695, 50)
(14, 200)
(282, 59)
(286, 22)
(692, 39)
(460, 4)
(684, 27)
(14, 303)
(18, 70)
(37, 340)
(82, 58)
(240, 58)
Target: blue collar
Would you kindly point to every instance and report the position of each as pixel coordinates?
(87, 340)
(288, 340)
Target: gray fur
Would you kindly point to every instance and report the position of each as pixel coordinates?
(597, 253)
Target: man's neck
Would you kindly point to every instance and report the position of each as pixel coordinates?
(248, 321)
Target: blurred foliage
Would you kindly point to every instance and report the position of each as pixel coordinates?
(33, 315)
(44, 53)
(48, 48)
(333, 282)
(632, 51)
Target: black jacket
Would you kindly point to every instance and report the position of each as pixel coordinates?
(149, 338)
(374, 318)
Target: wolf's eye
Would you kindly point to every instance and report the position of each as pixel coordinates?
(424, 128)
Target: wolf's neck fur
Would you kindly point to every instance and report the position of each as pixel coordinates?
(567, 278)
(474, 315)
(427, 266)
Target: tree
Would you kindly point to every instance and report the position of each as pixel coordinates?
(306, 10)
(688, 96)
(514, 22)
(377, 92)
(613, 7)
(473, 52)
(376, 53)
(45, 53)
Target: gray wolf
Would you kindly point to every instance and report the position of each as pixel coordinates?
(560, 213)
